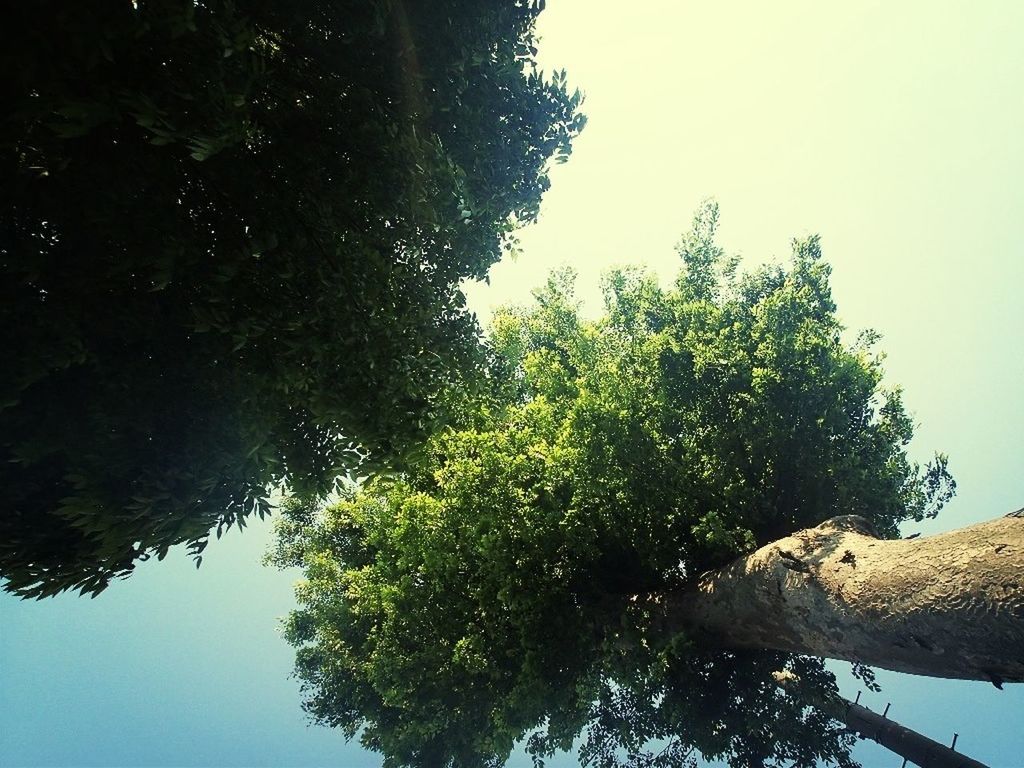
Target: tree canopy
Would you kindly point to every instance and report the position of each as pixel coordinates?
(230, 250)
(505, 587)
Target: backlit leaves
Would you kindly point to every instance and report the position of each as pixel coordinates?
(506, 587)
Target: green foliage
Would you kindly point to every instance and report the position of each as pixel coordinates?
(508, 583)
(230, 250)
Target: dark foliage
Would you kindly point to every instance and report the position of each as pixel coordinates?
(231, 241)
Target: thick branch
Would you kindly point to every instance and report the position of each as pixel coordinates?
(950, 605)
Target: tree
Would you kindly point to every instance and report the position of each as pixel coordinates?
(539, 573)
(905, 742)
(230, 252)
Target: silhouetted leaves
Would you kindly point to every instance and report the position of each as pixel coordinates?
(230, 250)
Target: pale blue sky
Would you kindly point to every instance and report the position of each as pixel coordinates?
(894, 130)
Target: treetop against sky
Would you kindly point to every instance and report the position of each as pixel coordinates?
(514, 581)
(891, 130)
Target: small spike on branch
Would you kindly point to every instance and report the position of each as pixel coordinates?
(905, 742)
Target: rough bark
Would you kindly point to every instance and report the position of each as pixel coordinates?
(950, 605)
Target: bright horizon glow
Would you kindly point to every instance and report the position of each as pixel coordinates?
(894, 130)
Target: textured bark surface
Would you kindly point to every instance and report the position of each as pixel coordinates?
(950, 605)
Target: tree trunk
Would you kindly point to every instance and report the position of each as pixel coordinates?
(912, 746)
(950, 605)
(905, 742)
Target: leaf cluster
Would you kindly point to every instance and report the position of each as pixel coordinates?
(230, 250)
(508, 583)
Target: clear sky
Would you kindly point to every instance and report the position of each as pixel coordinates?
(895, 130)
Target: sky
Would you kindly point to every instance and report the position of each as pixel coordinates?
(895, 131)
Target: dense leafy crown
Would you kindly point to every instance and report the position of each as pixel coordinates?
(230, 249)
(493, 592)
